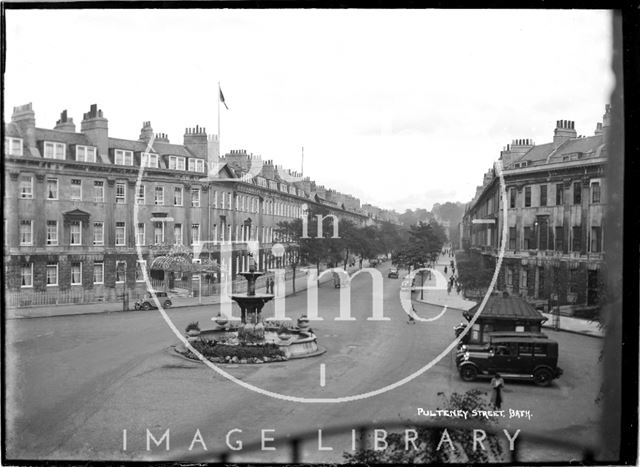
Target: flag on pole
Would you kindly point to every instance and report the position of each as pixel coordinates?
(222, 97)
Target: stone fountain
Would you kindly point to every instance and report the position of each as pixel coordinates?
(251, 304)
(293, 341)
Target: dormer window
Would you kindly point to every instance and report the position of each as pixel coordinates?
(149, 160)
(54, 150)
(123, 157)
(176, 163)
(85, 153)
(196, 165)
(13, 146)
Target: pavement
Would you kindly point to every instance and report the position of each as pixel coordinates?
(457, 301)
(48, 311)
(576, 325)
(441, 297)
(438, 298)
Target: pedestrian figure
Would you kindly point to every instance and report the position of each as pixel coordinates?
(497, 383)
(411, 318)
(270, 285)
(449, 288)
(445, 269)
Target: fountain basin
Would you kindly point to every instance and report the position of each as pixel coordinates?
(300, 344)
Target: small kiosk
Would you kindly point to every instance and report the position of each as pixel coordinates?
(503, 313)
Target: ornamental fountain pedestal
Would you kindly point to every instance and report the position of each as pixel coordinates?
(251, 303)
(253, 332)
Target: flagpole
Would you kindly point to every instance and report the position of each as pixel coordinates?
(219, 140)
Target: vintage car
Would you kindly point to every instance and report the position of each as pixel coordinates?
(526, 357)
(147, 302)
(393, 273)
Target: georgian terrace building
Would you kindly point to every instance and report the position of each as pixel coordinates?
(555, 207)
(71, 222)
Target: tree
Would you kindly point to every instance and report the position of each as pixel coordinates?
(289, 234)
(423, 245)
(366, 241)
(472, 272)
(428, 439)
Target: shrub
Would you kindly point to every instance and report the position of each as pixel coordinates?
(194, 326)
(428, 439)
(213, 349)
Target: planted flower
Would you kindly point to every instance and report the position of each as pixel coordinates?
(193, 329)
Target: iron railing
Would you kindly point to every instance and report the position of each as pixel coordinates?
(296, 441)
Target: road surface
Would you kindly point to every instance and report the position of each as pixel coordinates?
(75, 383)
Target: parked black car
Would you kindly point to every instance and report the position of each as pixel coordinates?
(527, 357)
(147, 302)
(393, 273)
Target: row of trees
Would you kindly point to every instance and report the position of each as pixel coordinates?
(339, 247)
(415, 245)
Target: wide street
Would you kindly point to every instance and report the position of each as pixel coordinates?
(75, 383)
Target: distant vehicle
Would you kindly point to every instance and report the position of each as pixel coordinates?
(525, 357)
(147, 302)
(393, 272)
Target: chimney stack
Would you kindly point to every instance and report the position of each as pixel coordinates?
(268, 170)
(598, 129)
(195, 139)
(565, 130)
(515, 150)
(146, 133)
(213, 150)
(96, 128)
(25, 119)
(65, 123)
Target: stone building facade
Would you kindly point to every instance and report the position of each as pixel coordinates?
(79, 204)
(556, 201)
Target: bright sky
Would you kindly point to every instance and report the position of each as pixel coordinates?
(402, 108)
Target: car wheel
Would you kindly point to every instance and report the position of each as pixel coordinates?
(137, 306)
(468, 373)
(146, 306)
(542, 377)
(167, 303)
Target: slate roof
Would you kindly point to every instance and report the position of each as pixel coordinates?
(507, 308)
(536, 153)
(158, 147)
(172, 149)
(590, 146)
(61, 136)
(545, 153)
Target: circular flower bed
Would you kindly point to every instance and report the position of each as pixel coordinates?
(226, 353)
